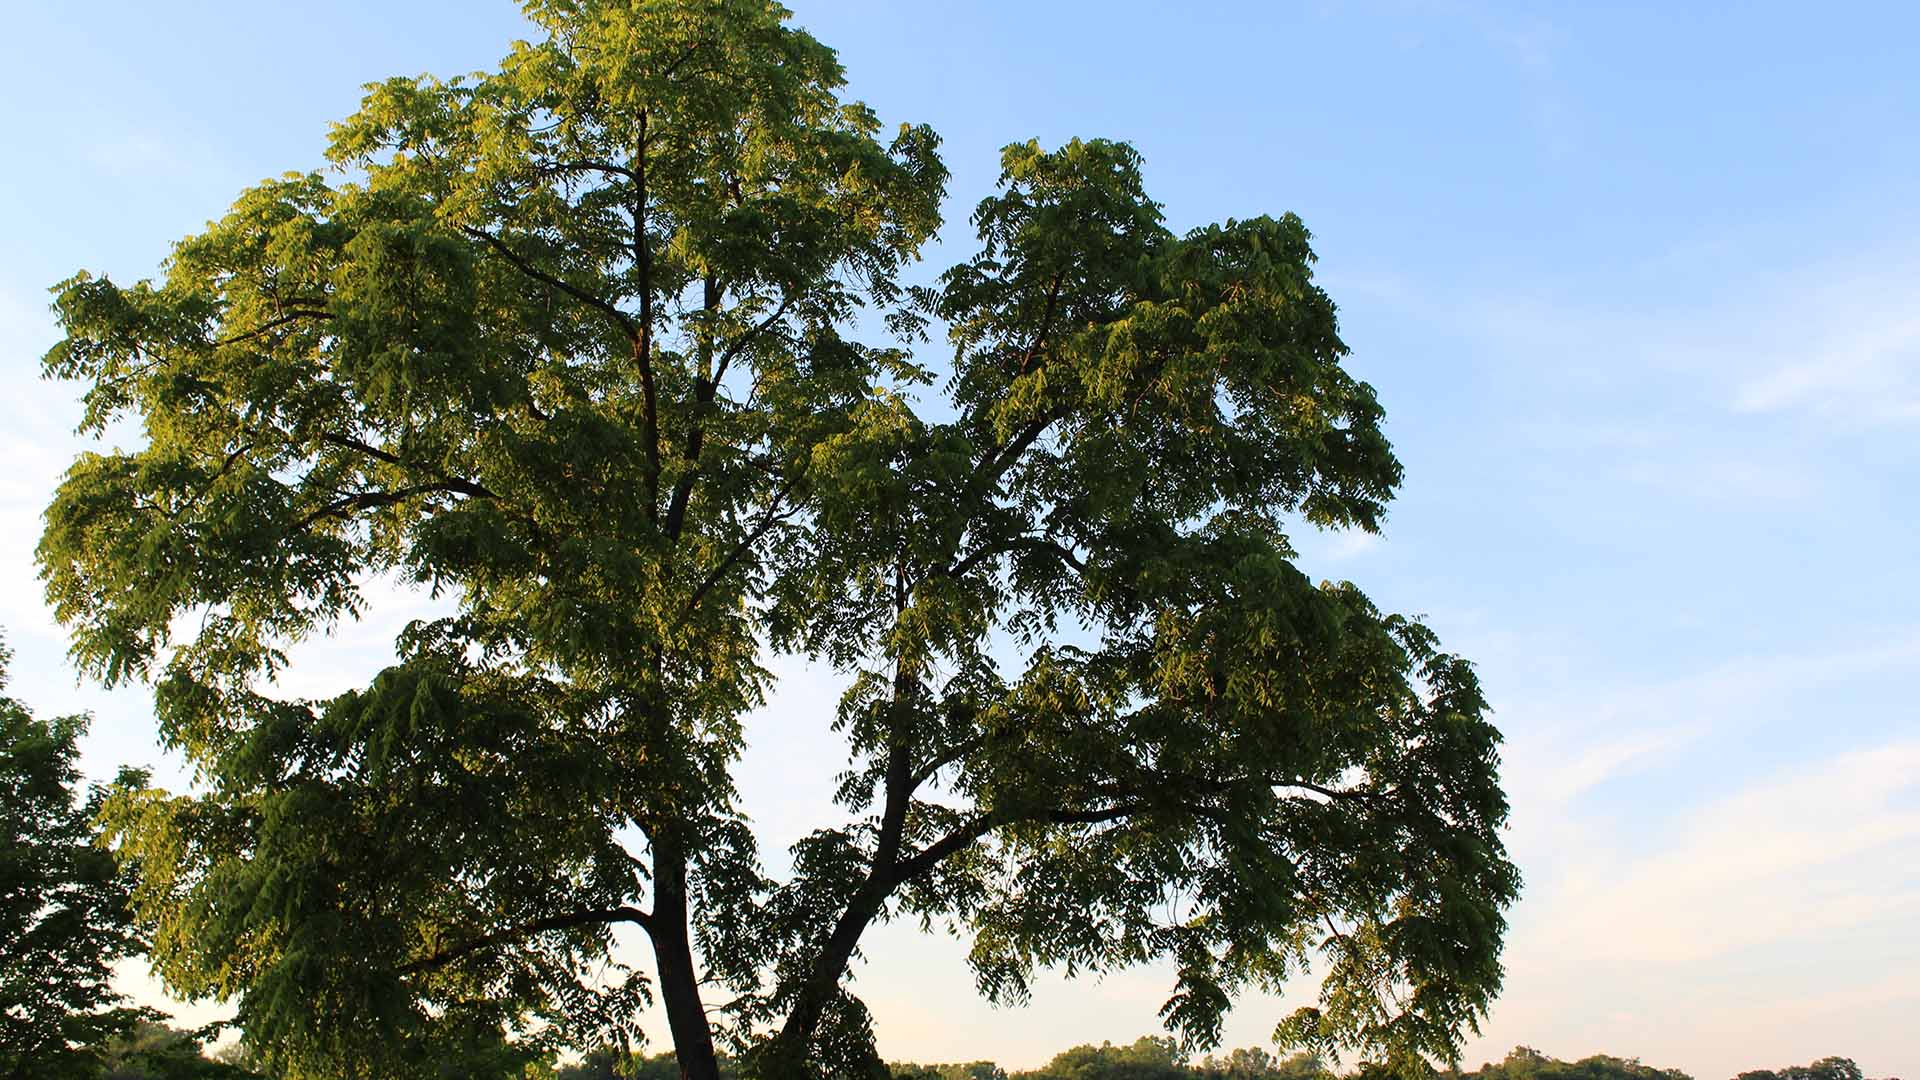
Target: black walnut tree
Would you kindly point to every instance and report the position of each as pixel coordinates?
(576, 343)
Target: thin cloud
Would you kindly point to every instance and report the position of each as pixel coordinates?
(1725, 916)
(1871, 374)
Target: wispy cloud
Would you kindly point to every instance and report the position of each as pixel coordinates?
(1726, 917)
(1637, 721)
(1747, 870)
(149, 155)
(1726, 479)
(1691, 898)
(1866, 374)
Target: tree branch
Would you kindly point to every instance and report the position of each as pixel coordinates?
(733, 348)
(1032, 543)
(519, 263)
(941, 761)
(1046, 322)
(536, 926)
(930, 856)
(1002, 458)
(373, 500)
(746, 544)
(453, 483)
(271, 325)
(606, 167)
(643, 344)
(225, 467)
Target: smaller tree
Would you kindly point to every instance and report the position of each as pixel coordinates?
(155, 1051)
(63, 905)
(1150, 1057)
(1827, 1068)
(1254, 1063)
(969, 1070)
(613, 1063)
(1526, 1063)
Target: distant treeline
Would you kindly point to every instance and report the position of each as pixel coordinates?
(156, 1052)
(1155, 1057)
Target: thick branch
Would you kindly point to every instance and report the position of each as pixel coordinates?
(643, 344)
(881, 879)
(706, 389)
(519, 263)
(733, 347)
(955, 841)
(1018, 543)
(452, 483)
(749, 542)
(1002, 458)
(273, 324)
(526, 929)
(980, 825)
(373, 500)
(941, 761)
(606, 167)
(696, 426)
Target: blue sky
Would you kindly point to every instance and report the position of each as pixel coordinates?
(1639, 286)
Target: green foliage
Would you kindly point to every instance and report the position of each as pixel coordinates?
(154, 1051)
(1147, 1058)
(63, 905)
(1150, 1057)
(1827, 1068)
(972, 1070)
(1221, 763)
(1526, 1063)
(577, 350)
(1253, 1063)
(610, 1064)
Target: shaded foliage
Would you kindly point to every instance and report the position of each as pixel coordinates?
(607, 1064)
(63, 905)
(1526, 1063)
(154, 1051)
(1827, 1068)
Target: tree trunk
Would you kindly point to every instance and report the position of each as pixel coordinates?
(673, 960)
(785, 1057)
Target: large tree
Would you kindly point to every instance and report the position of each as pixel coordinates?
(576, 346)
(63, 905)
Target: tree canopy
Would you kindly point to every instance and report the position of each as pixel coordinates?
(1827, 1068)
(63, 905)
(587, 345)
(154, 1051)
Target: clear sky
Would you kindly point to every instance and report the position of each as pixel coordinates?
(1639, 285)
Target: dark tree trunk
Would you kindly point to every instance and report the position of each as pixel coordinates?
(673, 960)
(785, 1058)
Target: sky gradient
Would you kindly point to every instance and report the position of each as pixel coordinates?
(1638, 285)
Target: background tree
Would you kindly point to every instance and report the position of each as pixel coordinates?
(971, 1070)
(63, 905)
(1254, 1063)
(1526, 1063)
(607, 1063)
(154, 1051)
(576, 351)
(1150, 1057)
(1827, 1068)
